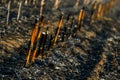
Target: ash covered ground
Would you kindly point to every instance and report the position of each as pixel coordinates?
(89, 55)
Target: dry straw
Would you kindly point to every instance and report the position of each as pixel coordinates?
(57, 3)
(26, 2)
(41, 7)
(8, 14)
(19, 10)
(76, 4)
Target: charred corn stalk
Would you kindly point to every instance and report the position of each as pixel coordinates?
(93, 10)
(42, 22)
(58, 30)
(44, 42)
(33, 37)
(81, 17)
(38, 39)
(50, 42)
(40, 54)
(37, 44)
(68, 18)
(34, 34)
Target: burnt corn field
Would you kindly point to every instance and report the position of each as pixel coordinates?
(59, 40)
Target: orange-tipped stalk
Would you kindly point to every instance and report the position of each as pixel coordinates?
(58, 30)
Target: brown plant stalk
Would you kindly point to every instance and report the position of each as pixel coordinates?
(100, 11)
(92, 14)
(8, 14)
(81, 17)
